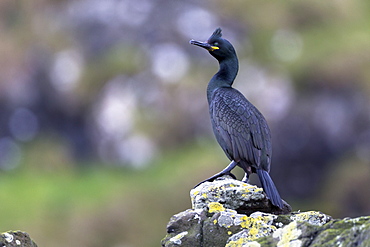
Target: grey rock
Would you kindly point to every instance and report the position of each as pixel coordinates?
(230, 213)
(16, 239)
(236, 195)
(185, 228)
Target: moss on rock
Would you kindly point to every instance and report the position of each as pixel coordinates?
(220, 217)
(345, 232)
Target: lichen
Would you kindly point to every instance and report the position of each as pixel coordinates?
(241, 239)
(252, 244)
(258, 225)
(345, 232)
(215, 207)
(311, 217)
(288, 235)
(232, 193)
(8, 237)
(226, 219)
(238, 243)
(255, 226)
(226, 215)
(197, 215)
(177, 239)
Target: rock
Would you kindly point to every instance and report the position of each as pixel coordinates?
(16, 239)
(236, 195)
(185, 228)
(220, 217)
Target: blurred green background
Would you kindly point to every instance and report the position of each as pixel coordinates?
(104, 124)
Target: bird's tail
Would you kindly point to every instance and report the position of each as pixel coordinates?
(269, 188)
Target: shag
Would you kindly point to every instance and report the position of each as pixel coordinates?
(239, 127)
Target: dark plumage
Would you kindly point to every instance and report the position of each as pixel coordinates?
(240, 129)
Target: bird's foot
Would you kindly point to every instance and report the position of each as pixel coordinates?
(226, 171)
(245, 178)
(214, 177)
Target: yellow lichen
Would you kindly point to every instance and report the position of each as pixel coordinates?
(257, 226)
(245, 222)
(237, 243)
(288, 236)
(312, 217)
(215, 207)
(229, 232)
(253, 231)
(304, 216)
(243, 242)
(246, 190)
(196, 192)
(177, 239)
(215, 222)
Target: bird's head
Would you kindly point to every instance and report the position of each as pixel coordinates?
(217, 46)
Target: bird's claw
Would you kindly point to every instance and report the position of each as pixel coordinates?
(214, 177)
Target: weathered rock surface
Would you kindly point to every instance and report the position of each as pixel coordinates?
(236, 195)
(16, 239)
(230, 213)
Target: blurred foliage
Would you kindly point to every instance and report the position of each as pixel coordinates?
(99, 205)
(121, 59)
(85, 70)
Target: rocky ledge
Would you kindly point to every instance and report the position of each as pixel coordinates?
(231, 213)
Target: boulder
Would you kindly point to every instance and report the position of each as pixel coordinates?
(16, 239)
(227, 212)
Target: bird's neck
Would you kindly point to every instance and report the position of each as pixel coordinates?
(224, 77)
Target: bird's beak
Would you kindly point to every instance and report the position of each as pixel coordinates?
(204, 45)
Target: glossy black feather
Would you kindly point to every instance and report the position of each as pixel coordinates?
(240, 129)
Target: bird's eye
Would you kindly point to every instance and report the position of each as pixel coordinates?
(215, 44)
